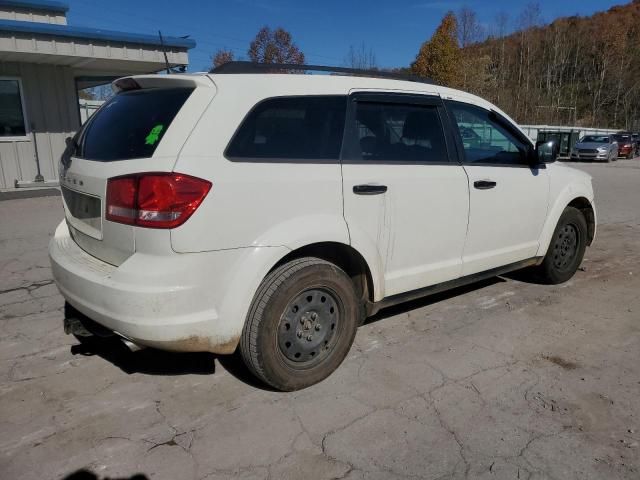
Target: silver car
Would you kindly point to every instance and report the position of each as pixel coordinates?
(596, 147)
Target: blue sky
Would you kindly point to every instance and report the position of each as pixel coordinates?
(323, 29)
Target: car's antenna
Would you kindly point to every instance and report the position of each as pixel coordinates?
(164, 51)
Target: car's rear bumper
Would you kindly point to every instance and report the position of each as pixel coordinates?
(169, 302)
(624, 152)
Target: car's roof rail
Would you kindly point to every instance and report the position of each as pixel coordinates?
(255, 67)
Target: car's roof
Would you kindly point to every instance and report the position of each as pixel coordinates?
(265, 85)
(301, 84)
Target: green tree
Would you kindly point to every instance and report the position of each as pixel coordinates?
(439, 58)
(275, 46)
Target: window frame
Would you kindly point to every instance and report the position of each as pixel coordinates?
(27, 129)
(506, 124)
(351, 148)
(293, 160)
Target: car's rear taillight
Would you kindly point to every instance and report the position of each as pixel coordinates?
(121, 199)
(155, 200)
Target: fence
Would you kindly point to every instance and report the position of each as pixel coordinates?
(533, 130)
(567, 136)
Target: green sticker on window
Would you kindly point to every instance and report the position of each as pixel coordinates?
(154, 135)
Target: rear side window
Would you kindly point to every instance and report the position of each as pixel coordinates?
(399, 132)
(131, 124)
(283, 128)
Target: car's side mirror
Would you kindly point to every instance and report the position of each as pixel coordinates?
(546, 151)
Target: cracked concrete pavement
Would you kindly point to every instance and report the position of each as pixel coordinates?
(500, 380)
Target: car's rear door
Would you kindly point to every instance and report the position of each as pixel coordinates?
(508, 196)
(140, 129)
(404, 197)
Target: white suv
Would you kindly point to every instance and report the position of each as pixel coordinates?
(275, 212)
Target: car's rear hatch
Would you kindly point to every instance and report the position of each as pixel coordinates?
(141, 129)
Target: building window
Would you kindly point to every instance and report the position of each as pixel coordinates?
(12, 117)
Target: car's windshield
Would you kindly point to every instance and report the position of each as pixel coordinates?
(595, 139)
(622, 138)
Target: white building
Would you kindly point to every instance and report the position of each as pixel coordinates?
(43, 64)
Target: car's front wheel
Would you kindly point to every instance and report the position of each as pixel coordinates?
(566, 249)
(301, 324)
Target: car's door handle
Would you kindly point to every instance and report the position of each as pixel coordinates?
(369, 189)
(484, 184)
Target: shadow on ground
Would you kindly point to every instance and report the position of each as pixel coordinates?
(432, 299)
(87, 475)
(150, 361)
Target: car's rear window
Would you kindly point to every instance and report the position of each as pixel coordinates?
(130, 124)
(291, 128)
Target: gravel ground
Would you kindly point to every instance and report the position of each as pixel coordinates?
(502, 379)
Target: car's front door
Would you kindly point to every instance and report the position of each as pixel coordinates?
(403, 194)
(508, 196)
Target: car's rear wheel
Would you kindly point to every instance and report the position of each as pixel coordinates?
(566, 249)
(301, 324)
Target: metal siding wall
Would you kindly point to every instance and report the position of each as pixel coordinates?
(51, 103)
(9, 155)
(32, 15)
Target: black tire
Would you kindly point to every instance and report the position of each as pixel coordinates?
(301, 324)
(566, 249)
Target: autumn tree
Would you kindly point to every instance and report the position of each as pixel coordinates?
(474, 69)
(222, 56)
(275, 46)
(574, 71)
(469, 29)
(439, 57)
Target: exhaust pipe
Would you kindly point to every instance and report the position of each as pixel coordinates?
(133, 347)
(77, 326)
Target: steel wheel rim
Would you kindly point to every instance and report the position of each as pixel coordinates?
(308, 327)
(565, 248)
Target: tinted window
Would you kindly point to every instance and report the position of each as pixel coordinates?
(486, 139)
(11, 114)
(399, 132)
(292, 127)
(131, 124)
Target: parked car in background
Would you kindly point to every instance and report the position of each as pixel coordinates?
(596, 147)
(636, 141)
(274, 213)
(627, 148)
